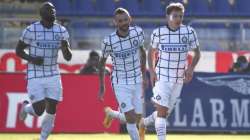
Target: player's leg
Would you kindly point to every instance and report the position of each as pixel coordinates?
(111, 114)
(138, 101)
(36, 95)
(131, 124)
(53, 96)
(49, 118)
(124, 95)
(160, 121)
(162, 92)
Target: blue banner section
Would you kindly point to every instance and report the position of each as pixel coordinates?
(211, 102)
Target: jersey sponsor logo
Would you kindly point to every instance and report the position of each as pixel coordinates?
(47, 44)
(126, 53)
(173, 47)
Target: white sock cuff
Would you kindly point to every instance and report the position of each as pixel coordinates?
(47, 115)
(160, 120)
(131, 125)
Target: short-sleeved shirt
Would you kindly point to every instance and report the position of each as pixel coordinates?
(173, 47)
(45, 43)
(125, 54)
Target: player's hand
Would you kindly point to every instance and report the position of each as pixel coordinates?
(37, 60)
(188, 74)
(153, 77)
(101, 92)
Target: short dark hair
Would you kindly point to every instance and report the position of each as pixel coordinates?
(242, 59)
(175, 6)
(93, 54)
(121, 10)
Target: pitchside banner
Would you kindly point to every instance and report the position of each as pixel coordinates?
(80, 110)
(212, 102)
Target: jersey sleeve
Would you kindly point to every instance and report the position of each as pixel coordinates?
(193, 40)
(27, 35)
(106, 48)
(155, 38)
(65, 34)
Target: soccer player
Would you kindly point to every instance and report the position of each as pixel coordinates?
(168, 72)
(43, 39)
(125, 46)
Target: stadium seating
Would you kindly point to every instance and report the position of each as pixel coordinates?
(209, 8)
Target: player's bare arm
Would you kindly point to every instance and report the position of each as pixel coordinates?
(101, 78)
(151, 64)
(67, 54)
(143, 65)
(189, 71)
(21, 53)
(143, 60)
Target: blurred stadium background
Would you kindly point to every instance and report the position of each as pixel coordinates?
(214, 102)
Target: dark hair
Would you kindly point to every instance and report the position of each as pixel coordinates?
(175, 6)
(242, 59)
(93, 54)
(121, 10)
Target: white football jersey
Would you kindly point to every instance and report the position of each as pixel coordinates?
(45, 43)
(125, 54)
(173, 47)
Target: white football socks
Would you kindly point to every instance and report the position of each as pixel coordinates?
(47, 125)
(118, 115)
(133, 131)
(150, 120)
(160, 127)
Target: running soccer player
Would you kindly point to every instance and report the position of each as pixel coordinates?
(125, 46)
(43, 39)
(172, 42)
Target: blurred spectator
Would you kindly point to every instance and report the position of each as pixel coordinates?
(91, 66)
(241, 65)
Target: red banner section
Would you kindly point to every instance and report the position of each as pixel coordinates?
(80, 110)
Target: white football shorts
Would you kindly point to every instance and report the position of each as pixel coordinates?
(47, 87)
(166, 94)
(129, 97)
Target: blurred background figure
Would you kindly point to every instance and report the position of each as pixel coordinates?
(91, 67)
(241, 65)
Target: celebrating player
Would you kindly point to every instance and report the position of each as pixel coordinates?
(125, 46)
(43, 40)
(169, 71)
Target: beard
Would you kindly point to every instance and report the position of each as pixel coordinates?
(178, 23)
(124, 28)
(50, 19)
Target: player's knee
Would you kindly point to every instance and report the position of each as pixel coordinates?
(162, 111)
(138, 118)
(51, 109)
(51, 106)
(130, 117)
(39, 107)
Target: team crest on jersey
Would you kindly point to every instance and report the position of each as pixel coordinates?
(184, 39)
(135, 42)
(123, 105)
(32, 97)
(57, 37)
(158, 97)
